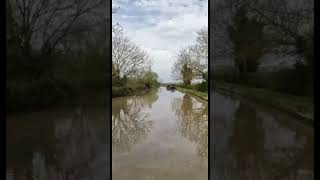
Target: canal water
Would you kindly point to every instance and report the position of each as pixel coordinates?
(161, 135)
(249, 141)
(63, 144)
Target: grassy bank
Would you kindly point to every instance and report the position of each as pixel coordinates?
(200, 94)
(301, 107)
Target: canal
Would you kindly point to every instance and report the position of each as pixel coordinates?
(250, 141)
(59, 144)
(161, 135)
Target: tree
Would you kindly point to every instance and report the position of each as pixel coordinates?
(150, 78)
(127, 57)
(182, 67)
(44, 24)
(203, 42)
(187, 74)
(199, 61)
(192, 62)
(248, 40)
(290, 24)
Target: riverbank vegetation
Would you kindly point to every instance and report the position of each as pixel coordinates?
(131, 66)
(54, 53)
(191, 66)
(266, 45)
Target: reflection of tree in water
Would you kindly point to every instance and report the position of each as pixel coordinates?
(82, 144)
(193, 121)
(24, 137)
(144, 101)
(247, 141)
(150, 98)
(255, 158)
(78, 147)
(129, 120)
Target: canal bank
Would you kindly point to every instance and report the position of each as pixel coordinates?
(127, 91)
(300, 107)
(199, 94)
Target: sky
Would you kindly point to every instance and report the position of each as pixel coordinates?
(161, 27)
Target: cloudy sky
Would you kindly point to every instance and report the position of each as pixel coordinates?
(161, 27)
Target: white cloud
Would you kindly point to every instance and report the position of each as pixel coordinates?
(162, 27)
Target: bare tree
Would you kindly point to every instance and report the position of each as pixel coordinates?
(127, 57)
(44, 24)
(192, 62)
(203, 42)
(290, 24)
(199, 54)
(117, 29)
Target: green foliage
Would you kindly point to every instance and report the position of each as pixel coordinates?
(134, 85)
(203, 86)
(120, 91)
(150, 79)
(40, 84)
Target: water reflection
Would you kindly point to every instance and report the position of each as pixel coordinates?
(129, 120)
(129, 126)
(152, 140)
(58, 145)
(193, 121)
(253, 142)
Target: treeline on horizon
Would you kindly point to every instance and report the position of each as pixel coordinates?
(57, 51)
(247, 31)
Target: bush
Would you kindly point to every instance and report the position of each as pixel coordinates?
(38, 85)
(120, 91)
(202, 87)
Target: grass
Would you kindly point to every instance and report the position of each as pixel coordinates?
(202, 95)
(301, 107)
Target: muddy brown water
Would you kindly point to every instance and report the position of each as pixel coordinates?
(160, 135)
